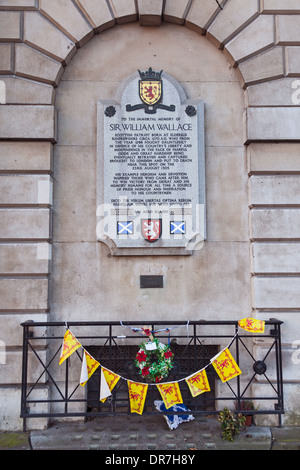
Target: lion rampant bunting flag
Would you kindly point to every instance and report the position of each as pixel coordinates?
(89, 365)
(170, 393)
(198, 383)
(111, 380)
(70, 344)
(137, 396)
(225, 366)
(252, 324)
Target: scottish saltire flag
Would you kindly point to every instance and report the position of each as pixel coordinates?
(177, 227)
(124, 228)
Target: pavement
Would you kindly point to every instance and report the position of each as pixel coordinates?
(135, 433)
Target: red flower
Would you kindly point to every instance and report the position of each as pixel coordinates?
(168, 354)
(157, 379)
(141, 356)
(146, 331)
(145, 371)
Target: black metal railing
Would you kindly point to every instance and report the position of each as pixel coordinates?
(53, 391)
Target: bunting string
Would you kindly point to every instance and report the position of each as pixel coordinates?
(223, 363)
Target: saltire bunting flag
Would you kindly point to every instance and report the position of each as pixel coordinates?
(70, 344)
(104, 388)
(252, 324)
(198, 383)
(170, 393)
(89, 365)
(225, 366)
(137, 396)
(111, 380)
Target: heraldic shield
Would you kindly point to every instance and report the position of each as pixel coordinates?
(151, 229)
(150, 87)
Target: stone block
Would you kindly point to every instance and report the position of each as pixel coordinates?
(288, 30)
(25, 258)
(255, 38)
(18, 5)
(28, 122)
(30, 63)
(234, 17)
(23, 91)
(66, 17)
(293, 62)
(272, 123)
(266, 66)
(275, 190)
(21, 224)
(25, 190)
(276, 257)
(124, 12)
(280, 6)
(26, 156)
(6, 66)
(11, 372)
(281, 92)
(201, 14)
(10, 26)
(52, 42)
(23, 294)
(276, 292)
(175, 12)
(274, 224)
(97, 13)
(274, 158)
(150, 12)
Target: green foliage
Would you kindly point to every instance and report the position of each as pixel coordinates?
(231, 423)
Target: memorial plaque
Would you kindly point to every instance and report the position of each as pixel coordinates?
(151, 168)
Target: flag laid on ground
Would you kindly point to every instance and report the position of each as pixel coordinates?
(198, 383)
(170, 393)
(137, 396)
(252, 324)
(225, 365)
(70, 344)
(89, 365)
(111, 380)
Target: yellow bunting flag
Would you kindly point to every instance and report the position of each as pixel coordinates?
(111, 380)
(89, 365)
(70, 344)
(198, 383)
(252, 324)
(137, 396)
(170, 393)
(225, 366)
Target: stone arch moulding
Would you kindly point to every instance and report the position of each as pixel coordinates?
(40, 37)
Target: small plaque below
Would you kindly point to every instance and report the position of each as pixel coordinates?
(151, 282)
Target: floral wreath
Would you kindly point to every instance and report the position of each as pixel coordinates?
(154, 363)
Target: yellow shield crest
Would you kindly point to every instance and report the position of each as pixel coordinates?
(150, 91)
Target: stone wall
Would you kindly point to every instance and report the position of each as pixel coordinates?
(251, 47)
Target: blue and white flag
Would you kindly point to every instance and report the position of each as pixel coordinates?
(177, 227)
(124, 228)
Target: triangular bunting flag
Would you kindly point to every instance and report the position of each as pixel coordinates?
(198, 383)
(111, 380)
(137, 396)
(70, 344)
(89, 365)
(170, 393)
(104, 388)
(252, 324)
(225, 366)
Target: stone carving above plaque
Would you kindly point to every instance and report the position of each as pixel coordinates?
(150, 168)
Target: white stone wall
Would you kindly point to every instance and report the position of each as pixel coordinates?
(261, 42)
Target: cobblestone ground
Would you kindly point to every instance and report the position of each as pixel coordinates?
(150, 433)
